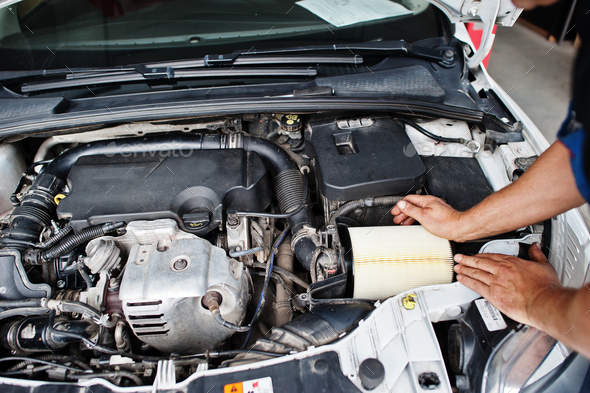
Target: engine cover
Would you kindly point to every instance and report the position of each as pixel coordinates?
(192, 187)
(161, 294)
(363, 158)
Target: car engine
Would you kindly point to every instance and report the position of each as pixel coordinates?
(222, 242)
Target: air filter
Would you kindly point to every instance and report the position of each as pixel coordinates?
(393, 259)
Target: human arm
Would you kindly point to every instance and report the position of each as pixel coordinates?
(530, 292)
(547, 189)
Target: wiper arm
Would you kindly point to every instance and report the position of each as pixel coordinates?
(96, 78)
(445, 57)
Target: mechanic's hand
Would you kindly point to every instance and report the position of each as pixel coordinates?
(511, 284)
(433, 213)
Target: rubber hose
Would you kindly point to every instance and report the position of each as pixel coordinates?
(84, 275)
(74, 307)
(23, 311)
(35, 212)
(351, 206)
(33, 302)
(76, 240)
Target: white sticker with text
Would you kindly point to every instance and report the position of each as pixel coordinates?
(490, 315)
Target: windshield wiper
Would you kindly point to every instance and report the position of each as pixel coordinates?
(443, 56)
(198, 68)
(216, 65)
(74, 80)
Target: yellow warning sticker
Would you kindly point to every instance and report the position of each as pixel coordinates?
(261, 385)
(233, 388)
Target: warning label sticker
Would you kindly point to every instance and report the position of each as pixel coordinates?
(262, 385)
(490, 315)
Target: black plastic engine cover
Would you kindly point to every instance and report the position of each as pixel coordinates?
(192, 188)
(365, 157)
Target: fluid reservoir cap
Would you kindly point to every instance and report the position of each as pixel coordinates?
(291, 123)
(196, 220)
(371, 373)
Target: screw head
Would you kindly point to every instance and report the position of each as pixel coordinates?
(61, 284)
(180, 264)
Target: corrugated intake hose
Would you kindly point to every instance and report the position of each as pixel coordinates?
(34, 214)
(35, 257)
(277, 160)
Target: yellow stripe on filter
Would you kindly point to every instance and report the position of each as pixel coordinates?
(393, 259)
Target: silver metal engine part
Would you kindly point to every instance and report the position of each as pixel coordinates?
(160, 232)
(161, 293)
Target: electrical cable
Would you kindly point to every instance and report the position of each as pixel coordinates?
(472, 145)
(265, 285)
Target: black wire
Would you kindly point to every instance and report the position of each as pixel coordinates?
(429, 134)
(232, 352)
(279, 280)
(282, 215)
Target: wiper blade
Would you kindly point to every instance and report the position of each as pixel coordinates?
(253, 58)
(162, 67)
(96, 78)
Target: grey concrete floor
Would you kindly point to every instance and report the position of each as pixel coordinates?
(537, 74)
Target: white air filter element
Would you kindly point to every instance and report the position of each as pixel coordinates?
(393, 259)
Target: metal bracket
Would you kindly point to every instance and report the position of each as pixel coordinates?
(487, 11)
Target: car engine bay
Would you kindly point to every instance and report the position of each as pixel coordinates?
(228, 241)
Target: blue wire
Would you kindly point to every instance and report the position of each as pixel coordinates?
(272, 258)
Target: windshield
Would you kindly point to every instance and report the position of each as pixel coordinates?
(50, 34)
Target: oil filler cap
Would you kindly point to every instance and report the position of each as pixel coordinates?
(196, 220)
(371, 373)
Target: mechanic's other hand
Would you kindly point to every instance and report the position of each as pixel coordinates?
(433, 213)
(511, 284)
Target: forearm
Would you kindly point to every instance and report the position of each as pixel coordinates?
(547, 189)
(564, 315)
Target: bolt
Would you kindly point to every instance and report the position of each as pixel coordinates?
(449, 55)
(473, 11)
(113, 282)
(358, 211)
(2, 290)
(61, 284)
(180, 264)
(520, 150)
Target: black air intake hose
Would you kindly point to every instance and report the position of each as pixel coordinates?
(35, 212)
(288, 181)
